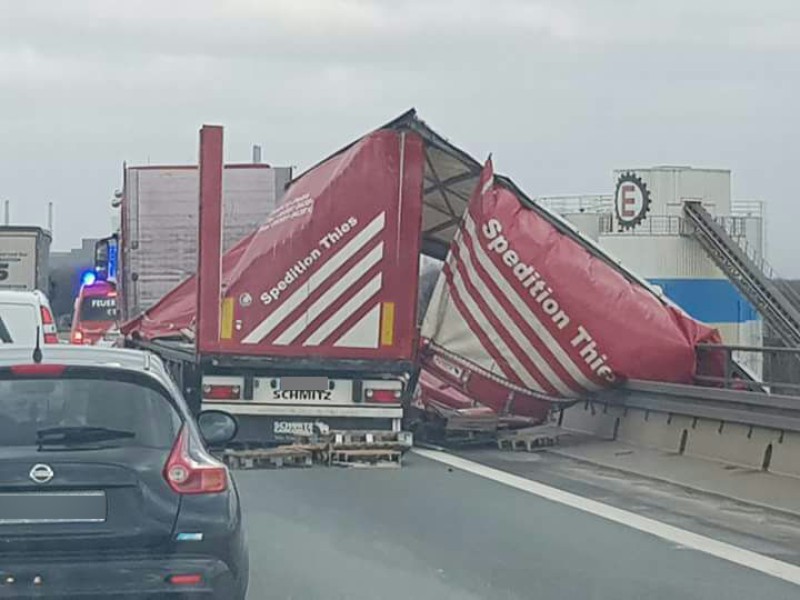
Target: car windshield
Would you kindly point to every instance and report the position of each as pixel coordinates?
(90, 411)
(101, 308)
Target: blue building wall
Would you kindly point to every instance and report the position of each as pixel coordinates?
(708, 300)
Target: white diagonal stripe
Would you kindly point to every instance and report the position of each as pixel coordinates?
(494, 304)
(524, 310)
(491, 333)
(331, 295)
(363, 334)
(315, 280)
(348, 308)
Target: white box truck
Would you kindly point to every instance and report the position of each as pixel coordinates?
(158, 237)
(24, 258)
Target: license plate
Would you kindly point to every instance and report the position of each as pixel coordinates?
(53, 507)
(304, 384)
(299, 428)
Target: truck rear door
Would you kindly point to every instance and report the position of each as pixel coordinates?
(332, 273)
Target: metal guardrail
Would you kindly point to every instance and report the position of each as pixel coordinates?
(604, 203)
(586, 203)
(748, 208)
(754, 409)
(653, 225)
(736, 227)
(722, 398)
(778, 368)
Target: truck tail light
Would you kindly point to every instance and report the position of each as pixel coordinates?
(191, 470)
(383, 396)
(222, 392)
(48, 326)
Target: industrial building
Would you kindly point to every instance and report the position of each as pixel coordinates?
(644, 225)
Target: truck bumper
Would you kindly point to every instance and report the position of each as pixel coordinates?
(276, 423)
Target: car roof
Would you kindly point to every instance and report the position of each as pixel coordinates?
(97, 289)
(27, 296)
(73, 355)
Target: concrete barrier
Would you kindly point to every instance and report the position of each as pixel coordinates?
(593, 418)
(757, 448)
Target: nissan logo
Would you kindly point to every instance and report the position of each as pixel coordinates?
(41, 473)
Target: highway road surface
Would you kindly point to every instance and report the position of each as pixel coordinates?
(430, 530)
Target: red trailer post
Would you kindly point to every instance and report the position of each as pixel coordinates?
(209, 263)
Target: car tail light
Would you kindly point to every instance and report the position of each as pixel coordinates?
(38, 370)
(222, 392)
(185, 579)
(191, 470)
(48, 326)
(386, 396)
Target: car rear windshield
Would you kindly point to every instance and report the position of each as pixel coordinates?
(99, 308)
(18, 323)
(79, 412)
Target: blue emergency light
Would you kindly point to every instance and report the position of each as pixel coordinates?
(88, 278)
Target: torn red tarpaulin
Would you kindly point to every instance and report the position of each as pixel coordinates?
(522, 303)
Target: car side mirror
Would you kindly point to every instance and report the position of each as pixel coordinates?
(217, 427)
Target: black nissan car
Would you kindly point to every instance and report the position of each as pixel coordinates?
(107, 488)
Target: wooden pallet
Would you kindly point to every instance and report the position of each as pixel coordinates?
(371, 439)
(365, 457)
(457, 439)
(529, 440)
(526, 444)
(269, 458)
(474, 424)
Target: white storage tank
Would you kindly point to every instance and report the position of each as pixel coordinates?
(647, 231)
(671, 186)
(654, 242)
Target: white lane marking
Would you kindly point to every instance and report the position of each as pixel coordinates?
(315, 280)
(331, 295)
(686, 539)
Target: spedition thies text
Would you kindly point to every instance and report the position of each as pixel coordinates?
(542, 294)
(327, 242)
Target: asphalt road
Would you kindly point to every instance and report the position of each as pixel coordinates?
(747, 526)
(425, 531)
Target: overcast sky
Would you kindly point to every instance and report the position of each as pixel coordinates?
(561, 91)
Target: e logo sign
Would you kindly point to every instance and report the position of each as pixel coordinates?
(631, 200)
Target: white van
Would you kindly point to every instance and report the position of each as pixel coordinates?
(21, 313)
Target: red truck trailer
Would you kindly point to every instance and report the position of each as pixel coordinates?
(310, 322)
